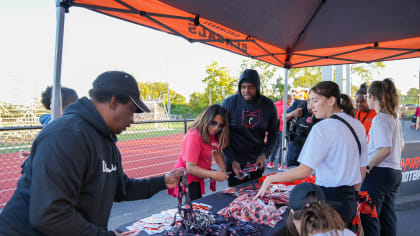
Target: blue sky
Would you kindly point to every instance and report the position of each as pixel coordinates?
(94, 43)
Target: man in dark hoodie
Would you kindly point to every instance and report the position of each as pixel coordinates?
(251, 115)
(74, 173)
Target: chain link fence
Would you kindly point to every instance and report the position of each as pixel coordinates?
(148, 148)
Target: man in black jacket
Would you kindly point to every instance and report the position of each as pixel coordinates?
(74, 173)
(251, 115)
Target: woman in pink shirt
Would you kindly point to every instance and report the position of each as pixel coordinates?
(205, 139)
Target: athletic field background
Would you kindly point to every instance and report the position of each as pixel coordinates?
(147, 149)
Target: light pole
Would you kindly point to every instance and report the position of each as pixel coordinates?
(168, 104)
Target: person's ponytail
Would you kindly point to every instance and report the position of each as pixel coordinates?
(386, 93)
(344, 102)
(390, 101)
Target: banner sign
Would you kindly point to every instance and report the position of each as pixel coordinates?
(410, 165)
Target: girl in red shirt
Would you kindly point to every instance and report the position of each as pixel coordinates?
(363, 113)
(205, 139)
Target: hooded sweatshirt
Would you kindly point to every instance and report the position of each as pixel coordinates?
(45, 119)
(72, 178)
(249, 121)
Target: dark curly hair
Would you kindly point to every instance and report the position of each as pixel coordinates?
(68, 96)
(362, 89)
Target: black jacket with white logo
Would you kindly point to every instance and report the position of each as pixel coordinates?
(72, 178)
(249, 121)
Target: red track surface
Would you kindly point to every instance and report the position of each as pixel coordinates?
(141, 158)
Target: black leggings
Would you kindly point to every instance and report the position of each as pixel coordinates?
(195, 190)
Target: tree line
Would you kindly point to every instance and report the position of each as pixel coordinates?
(220, 83)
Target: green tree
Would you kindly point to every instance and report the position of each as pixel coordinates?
(413, 92)
(367, 72)
(305, 77)
(309, 76)
(353, 89)
(197, 102)
(182, 109)
(175, 97)
(219, 82)
(159, 90)
(412, 95)
(267, 74)
(278, 89)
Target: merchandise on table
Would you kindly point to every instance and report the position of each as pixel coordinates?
(201, 207)
(244, 208)
(279, 193)
(237, 191)
(242, 217)
(246, 171)
(154, 224)
(221, 227)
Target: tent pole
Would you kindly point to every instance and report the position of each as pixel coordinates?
(348, 80)
(283, 134)
(326, 72)
(56, 89)
(339, 77)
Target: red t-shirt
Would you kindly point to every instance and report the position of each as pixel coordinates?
(418, 111)
(195, 150)
(366, 118)
(279, 107)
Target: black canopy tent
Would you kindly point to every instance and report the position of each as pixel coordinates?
(286, 33)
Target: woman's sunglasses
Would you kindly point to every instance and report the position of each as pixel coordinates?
(214, 124)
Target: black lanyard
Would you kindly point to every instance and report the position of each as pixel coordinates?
(185, 210)
(334, 116)
(358, 117)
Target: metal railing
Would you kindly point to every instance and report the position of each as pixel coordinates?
(148, 148)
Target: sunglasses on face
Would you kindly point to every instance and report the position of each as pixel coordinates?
(214, 124)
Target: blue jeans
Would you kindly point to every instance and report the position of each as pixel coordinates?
(293, 152)
(381, 184)
(276, 154)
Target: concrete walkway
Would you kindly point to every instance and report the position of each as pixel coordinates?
(410, 134)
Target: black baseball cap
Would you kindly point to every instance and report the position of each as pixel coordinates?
(121, 83)
(297, 198)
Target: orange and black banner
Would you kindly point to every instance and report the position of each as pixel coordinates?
(410, 165)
